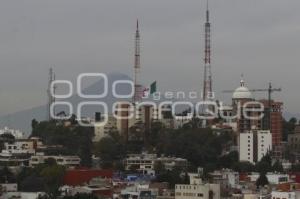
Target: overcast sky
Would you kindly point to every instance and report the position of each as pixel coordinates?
(259, 38)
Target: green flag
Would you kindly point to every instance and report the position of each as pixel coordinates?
(153, 88)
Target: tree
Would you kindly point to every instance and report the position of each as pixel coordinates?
(52, 176)
(45, 177)
(75, 139)
(262, 180)
(265, 164)
(157, 129)
(6, 138)
(228, 161)
(159, 168)
(109, 150)
(243, 167)
(195, 145)
(172, 177)
(288, 127)
(6, 176)
(277, 166)
(34, 123)
(296, 168)
(32, 183)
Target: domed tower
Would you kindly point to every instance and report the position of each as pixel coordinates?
(241, 96)
(242, 93)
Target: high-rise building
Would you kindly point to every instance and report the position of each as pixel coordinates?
(276, 120)
(254, 145)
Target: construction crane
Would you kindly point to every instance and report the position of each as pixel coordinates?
(270, 91)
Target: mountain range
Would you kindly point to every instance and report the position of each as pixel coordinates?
(22, 120)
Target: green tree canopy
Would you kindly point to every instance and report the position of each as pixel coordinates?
(262, 180)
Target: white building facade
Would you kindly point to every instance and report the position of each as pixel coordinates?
(69, 161)
(283, 195)
(254, 145)
(197, 189)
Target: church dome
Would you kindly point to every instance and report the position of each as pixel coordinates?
(242, 92)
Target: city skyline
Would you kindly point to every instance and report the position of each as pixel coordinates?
(87, 37)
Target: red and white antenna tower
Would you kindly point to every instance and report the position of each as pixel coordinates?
(207, 84)
(138, 90)
(207, 81)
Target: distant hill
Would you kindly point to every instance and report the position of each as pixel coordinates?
(22, 119)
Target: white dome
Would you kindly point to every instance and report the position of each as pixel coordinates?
(242, 92)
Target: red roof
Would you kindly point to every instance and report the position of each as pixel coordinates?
(81, 176)
(244, 177)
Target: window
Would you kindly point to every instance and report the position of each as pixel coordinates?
(178, 194)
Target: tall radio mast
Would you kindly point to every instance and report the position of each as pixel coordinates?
(137, 67)
(207, 81)
(207, 84)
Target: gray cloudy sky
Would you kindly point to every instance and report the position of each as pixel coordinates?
(259, 38)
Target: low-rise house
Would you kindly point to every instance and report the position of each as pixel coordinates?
(69, 161)
(23, 195)
(139, 191)
(8, 187)
(13, 160)
(97, 186)
(225, 177)
(145, 163)
(197, 189)
(21, 146)
(283, 195)
(273, 178)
